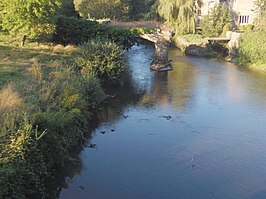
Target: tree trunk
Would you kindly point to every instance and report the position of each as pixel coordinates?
(23, 40)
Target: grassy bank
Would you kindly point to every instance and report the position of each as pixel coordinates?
(252, 51)
(46, 98)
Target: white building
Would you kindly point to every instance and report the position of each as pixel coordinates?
(242, 10)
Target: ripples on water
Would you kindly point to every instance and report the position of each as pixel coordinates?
(212, 146)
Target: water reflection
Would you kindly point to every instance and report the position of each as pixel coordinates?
(195, 132)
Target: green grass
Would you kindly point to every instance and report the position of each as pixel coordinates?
(16, 61)
(193, 38)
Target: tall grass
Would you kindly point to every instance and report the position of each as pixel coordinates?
(251, 50)
(42, 117)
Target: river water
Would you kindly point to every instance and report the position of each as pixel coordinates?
(197, 132)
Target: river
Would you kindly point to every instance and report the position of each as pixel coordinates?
(197, 132)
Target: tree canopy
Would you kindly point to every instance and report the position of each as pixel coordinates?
(214, 23)
(260, 9)
(113, 9)
(33, 18)
(180, 14)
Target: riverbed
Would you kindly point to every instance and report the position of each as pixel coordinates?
(197, 132)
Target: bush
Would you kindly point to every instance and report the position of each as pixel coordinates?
(71, 30)
(141, 31)
(102, 59)
(61, 101)
(251, 50)
(22, 164)
(212, 25)
(193, 38)
(247, 27)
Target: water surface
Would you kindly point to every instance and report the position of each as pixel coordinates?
(197, 132)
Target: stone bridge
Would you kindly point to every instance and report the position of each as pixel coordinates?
(162, 41)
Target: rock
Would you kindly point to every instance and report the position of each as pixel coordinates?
(102, 132)
(161, 61)
(168, 117)
(81, 187)
(196, 50)
(112, 130)
(92, 146)
(233, 44)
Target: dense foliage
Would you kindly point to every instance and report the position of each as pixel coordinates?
(180, 14)
(58, 103)
(102, 59)
(71, 30)
(113, 9)
(251, 51)
(33, 18)
(260, 8)
(214, 23)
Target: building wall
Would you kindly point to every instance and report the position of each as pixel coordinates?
(242, 10)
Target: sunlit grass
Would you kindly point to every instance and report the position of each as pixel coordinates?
(15, 61)
(9, 100)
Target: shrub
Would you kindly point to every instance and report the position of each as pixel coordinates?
(71, 30)
(22, 163)
(141, 31)
(247, 27)
(193, 38)
(61, 101)
(212, 25)
(102, 59)
(250, 50)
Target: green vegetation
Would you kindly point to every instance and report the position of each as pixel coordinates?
(193, 38)
(45, 102)
(179, 14)
(251, 51)
(247, 27)
(33, 18)
(67, 29)
(213, 24)
(113, 9)
(102, 59)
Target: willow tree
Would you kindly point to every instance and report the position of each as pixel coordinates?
(180, 14)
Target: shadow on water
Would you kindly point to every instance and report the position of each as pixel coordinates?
(194, 132)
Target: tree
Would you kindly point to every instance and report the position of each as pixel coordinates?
(113, 9)
(34, 18)
(138, 8)
(101, 8)
(68, 9)
(212, 25)
(260, 9)
(180, 14)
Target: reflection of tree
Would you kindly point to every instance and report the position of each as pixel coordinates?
(181, 81)
(158, 93)
(172, 87)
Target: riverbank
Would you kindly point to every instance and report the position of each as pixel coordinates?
(46, 101)
(244, 50)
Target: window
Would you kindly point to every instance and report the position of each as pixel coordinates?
(243, 19)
